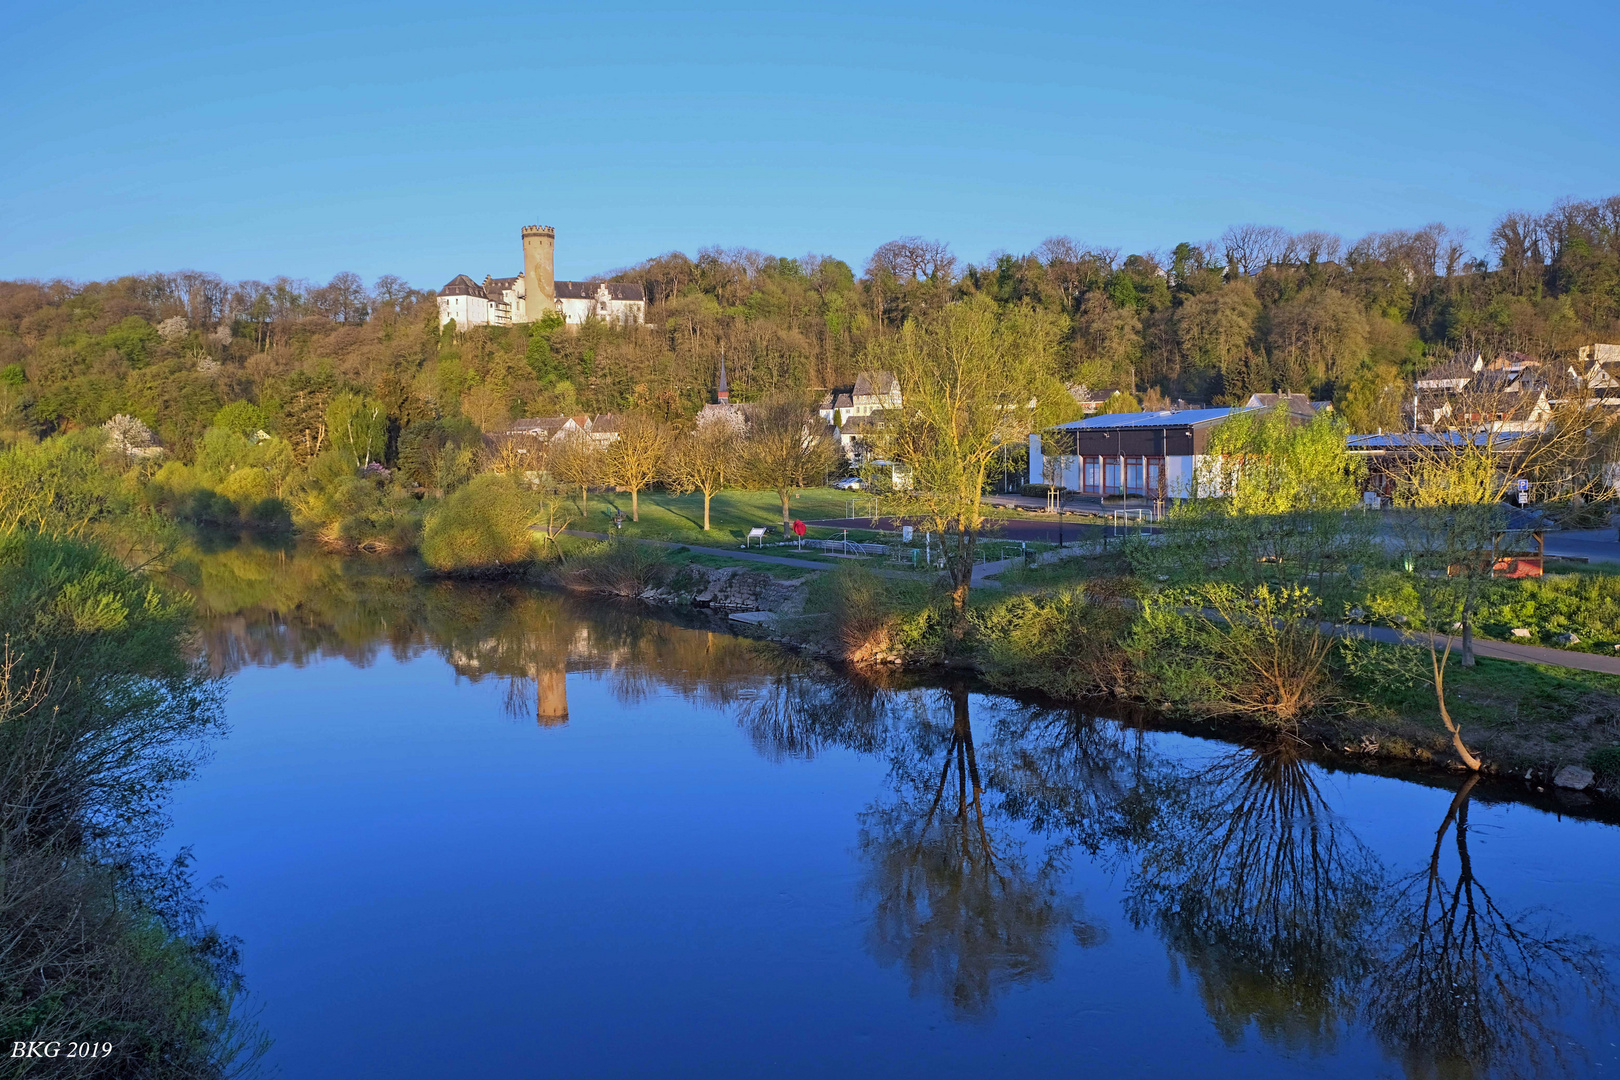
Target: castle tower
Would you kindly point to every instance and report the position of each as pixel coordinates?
(539, 275)
(551, 696)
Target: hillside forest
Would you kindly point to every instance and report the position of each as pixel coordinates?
(1258, 309)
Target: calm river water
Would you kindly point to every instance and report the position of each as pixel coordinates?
(498, 833)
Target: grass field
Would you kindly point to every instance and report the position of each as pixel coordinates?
(1528, 712)
(680, 517)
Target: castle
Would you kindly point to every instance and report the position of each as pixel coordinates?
(536, 293)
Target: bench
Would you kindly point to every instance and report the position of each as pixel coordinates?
(755, 534)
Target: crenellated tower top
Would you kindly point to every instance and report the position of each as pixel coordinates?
(539, 230)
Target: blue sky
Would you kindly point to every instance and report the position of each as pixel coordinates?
(304, 139)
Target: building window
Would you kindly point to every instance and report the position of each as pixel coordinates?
(1110, 475)
(1155, 476)
(1093, 478)
(1133, 474)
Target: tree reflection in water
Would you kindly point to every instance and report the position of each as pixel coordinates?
(801, 707)
(954, 902)
(1286, 921)
(1079, 779)
(1466, 990)
(1264, 895)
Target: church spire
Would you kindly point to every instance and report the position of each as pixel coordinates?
(721, 393)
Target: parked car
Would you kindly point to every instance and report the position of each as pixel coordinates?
(849, 483)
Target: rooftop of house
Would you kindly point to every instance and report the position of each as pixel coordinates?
(1297, 403)
(1386, 441)
(1161, 418)
(876, 384)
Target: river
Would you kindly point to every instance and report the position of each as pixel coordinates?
(481, 831)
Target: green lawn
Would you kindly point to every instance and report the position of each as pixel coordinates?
(731, 514)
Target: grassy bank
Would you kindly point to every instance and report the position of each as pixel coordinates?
(1088, 628)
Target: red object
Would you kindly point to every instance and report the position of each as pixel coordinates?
(798, 528)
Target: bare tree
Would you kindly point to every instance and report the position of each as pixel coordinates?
(704, 461)
(1318, 247)
(787, 447)
(1249, 248)
(573, 458)
(636, 458)
(1453, 482)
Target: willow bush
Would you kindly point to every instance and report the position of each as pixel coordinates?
(481, 528)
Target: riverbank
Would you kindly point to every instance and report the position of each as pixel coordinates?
(1042, 633)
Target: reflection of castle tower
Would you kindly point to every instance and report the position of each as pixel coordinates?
(551, 696)
(539, 273)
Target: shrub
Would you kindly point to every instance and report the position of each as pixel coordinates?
(483, 527)
(1070, 643)
(616, 568)
(345, 508)
(1218, 649)
(863, 618)
(1587, 605)
(101, 711)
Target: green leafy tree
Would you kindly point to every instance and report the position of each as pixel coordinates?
(242, 417)
(965, 373)
(357, 428)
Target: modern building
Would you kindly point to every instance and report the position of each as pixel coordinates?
(534, 294)
(1152, 454)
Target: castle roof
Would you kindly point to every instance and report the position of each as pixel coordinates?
(462, 285)
(586, 290)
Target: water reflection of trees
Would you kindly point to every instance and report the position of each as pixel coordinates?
(1287, 923)
(1468, 990)
(1264, 895)
(956, 903)
(271, 607)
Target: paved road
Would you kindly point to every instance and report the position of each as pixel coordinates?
(1598, 545)
(1502, 650)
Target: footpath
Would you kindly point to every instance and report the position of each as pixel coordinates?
(729, 553)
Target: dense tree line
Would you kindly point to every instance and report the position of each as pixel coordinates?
(1257, 309)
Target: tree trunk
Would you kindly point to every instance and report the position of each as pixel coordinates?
(1467, 639)
(705, 511)
(1439, 661)
(584, 501)
(961, 568)
(784, 493)
(635, 507)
